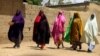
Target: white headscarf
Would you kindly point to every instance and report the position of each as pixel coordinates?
(94, 23)
(95, 26)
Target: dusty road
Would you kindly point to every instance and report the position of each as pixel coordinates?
(29, 49)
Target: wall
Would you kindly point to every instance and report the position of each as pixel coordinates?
(7, 10)
(31, 12)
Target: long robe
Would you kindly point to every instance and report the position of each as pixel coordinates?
(76, 31)
(90, 32)
(15, 32)
(36, 29)
(41, 33)
(67, 32)
(58, 27)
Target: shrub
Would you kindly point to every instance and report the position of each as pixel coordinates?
(35, 2)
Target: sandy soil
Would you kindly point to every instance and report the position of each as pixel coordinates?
(29, 49)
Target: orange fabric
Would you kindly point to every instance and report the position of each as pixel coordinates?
(76, 30)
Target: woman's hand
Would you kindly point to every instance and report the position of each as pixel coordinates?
(11, 23)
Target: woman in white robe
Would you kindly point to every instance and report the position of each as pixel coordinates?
(90, 33)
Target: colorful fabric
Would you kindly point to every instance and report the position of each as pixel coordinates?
(76, 31)
(41, 31)
(58, 27)
(15, 33)
(67, 33)
(18, 18)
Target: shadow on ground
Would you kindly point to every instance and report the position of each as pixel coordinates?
(51, 48)
(8, 48)
(68, 48)
(35, 55)
(36, 48)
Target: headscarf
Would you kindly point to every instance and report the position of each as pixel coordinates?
(60, 20)
(60, 17)
(94, 23)
(38, 18)
(95, 26)
(18, 18)
(58, 26)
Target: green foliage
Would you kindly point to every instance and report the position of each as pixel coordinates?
(99, 0)
(35, 2)
(96, 0)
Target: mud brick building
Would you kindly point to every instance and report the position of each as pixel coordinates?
(9, 7)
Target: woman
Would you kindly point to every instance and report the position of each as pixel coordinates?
(41, 33)
(58, 29)
(76, 32)
(15, 33)
(90, 33)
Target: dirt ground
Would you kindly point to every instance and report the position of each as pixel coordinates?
(28, 48)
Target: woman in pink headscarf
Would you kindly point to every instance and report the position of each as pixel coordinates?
(58, 29)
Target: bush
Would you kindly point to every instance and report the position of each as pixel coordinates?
(35, 2)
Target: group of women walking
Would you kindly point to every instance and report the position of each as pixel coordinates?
(41, 31)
